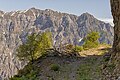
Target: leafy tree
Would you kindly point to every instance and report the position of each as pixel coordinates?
(44, 42)
(93, 36)
(35, 46)
(91, 40)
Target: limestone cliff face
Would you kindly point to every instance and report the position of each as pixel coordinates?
(68, 28)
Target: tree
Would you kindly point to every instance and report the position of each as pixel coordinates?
(35, 46)
(44, 42)
(115, 8)
(91, 40)
(112, 68)
(78, 48)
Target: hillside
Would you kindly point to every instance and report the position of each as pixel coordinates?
(86, 66)
(66, 28)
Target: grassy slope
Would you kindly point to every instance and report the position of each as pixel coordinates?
(85, 67)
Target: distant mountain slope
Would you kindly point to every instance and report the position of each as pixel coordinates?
(66, 28)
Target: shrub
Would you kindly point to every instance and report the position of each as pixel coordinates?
(29, 76)
(35, 46)
(55, 67)
(91, 40)
(28, 73)
(78, 48)
(69, 46)
(89, 45)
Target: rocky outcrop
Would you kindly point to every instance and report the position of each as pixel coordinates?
(66, 28)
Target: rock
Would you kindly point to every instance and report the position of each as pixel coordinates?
(66, 28)
(118, 78)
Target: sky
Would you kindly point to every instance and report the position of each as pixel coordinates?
(99, 8)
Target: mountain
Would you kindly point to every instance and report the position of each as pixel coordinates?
(66, 28)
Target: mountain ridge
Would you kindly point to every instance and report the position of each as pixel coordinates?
(33, 8)
(66, 28)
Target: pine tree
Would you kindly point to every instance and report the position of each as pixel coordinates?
(35, 46)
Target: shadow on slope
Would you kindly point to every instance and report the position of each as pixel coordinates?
(61, 66)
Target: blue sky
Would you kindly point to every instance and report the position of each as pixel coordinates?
(99, 8)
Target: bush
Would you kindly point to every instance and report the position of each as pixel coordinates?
(35, 46)
(91, 40)
(78, 48)
(69, 46)
(55, 67)
(30, 76)
(89, 45)
(29, 72)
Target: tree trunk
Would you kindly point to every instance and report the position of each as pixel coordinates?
(115, 8)
(111, 70)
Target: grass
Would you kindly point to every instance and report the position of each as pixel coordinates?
(89, 70)
(60, 68)
(29, 72)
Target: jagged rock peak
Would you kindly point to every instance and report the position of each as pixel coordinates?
(86, 16)
(1, 13)
(33, 8)
(68, 28)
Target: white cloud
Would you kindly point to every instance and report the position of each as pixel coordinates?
(110, 21)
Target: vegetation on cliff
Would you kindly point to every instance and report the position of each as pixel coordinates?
(35, 46)
(60, 66)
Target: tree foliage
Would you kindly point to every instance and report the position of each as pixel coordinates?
(91, 40)
(78, 48)
(35, 46)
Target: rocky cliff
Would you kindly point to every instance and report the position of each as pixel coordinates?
(66, 28)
